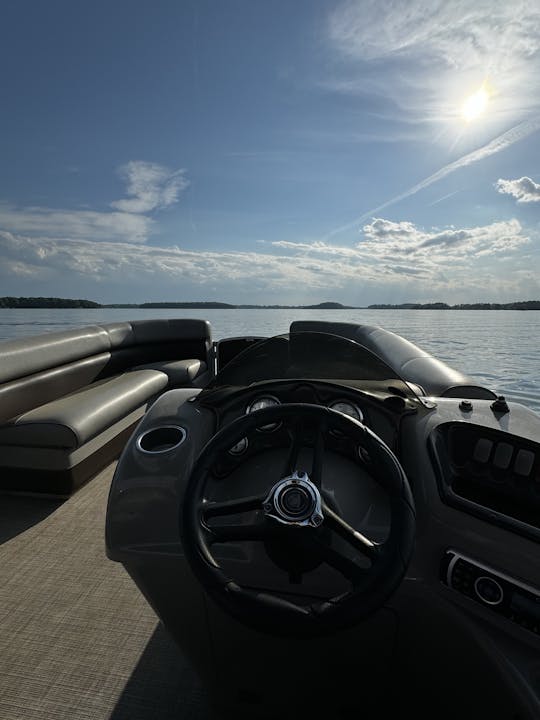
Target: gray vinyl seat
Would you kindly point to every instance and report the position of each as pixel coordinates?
(72, 420)
(70, 399)
(179, 372)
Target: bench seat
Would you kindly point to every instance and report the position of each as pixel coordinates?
(181, 373)
(74, 419)
(69, 400)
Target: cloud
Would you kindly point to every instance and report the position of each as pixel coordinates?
(316, 247)
(121, 262)
(417, 61)
(423, 55)
(381, 229)
(150, 187)
(76, 224)
(394, 261)
(502, 142)
(402, 248)
(524, 190)
(442, 248)
(454, 34)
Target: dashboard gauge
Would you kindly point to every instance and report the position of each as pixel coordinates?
(347, 408)
(240, 447)
(264, 401)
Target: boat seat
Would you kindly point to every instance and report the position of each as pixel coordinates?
(70, 399)
(71, 421)
(179, 372)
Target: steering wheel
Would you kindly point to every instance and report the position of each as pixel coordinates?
(296, 510)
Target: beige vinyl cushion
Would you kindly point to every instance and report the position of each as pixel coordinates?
(76, 418)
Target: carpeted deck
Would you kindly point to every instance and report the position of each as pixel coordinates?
(77, 639)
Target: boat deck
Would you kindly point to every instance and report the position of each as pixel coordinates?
(77, 639)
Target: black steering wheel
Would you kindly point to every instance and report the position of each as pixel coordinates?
(295, 509)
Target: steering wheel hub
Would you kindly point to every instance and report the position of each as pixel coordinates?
(294, 500)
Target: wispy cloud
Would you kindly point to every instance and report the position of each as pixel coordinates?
(443, 198)
(502, 142)
(120, 261)
(524, 189)
(423, 56)
(150, 187)
(78, 224)
(457, 34)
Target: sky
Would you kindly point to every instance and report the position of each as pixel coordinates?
(277, 152)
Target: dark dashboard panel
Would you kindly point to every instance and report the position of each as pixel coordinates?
(489, 473)
(495, 591)
(380, 415)
(380, 411)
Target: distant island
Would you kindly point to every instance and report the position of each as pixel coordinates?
(520, 305)
(53, 302)
(46, 302)
(227, 306)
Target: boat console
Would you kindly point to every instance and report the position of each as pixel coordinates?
(336, 513)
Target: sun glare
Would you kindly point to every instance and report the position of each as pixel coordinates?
(475, 105)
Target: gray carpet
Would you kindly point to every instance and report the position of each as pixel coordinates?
(77, 639)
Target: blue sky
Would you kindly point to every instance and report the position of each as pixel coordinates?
(270, 152)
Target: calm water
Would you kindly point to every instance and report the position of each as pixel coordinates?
(498, 348)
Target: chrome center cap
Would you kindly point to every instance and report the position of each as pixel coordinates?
(294, 500)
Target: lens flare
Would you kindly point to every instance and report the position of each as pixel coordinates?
(475, 105)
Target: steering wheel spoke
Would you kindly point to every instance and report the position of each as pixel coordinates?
(318, 454)
(231, 507)
(341, 527)
(294, 430)
(303, 436)
(237, 532)
(332, 557)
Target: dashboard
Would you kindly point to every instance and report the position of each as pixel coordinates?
(474, 475)
(253, 464)
(381, 408)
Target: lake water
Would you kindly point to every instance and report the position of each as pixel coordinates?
(498, 348)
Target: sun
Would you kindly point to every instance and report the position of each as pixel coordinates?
(476, 104)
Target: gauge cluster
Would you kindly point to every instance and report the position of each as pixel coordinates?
(377, 414)
(343, 406)
(347, 408)
(260, 403)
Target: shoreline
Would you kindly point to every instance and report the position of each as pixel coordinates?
(41, 303)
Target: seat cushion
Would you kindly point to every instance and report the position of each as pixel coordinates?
(179, 372)
(76, 418)
(29, 355)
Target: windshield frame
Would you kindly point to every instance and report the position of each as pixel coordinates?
(270, 360)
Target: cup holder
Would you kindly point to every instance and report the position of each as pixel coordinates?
(161, 439)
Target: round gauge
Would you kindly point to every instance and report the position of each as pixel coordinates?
(347, 408)
(240, 447)
(260, 403)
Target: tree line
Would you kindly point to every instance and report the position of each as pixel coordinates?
(519, 305)
(54, 302)
(45, 302)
